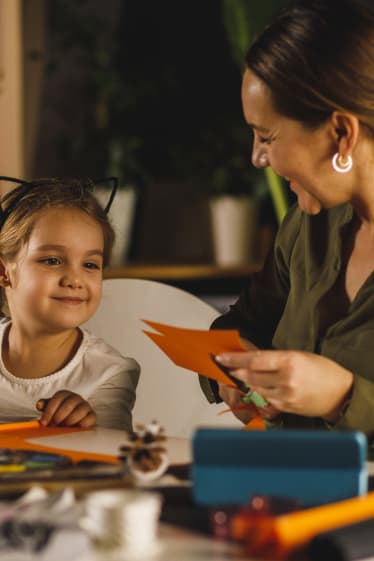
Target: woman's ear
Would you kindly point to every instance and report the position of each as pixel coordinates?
(345, 130)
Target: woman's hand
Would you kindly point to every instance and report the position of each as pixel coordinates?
(244, 412)
(231, 396)
(67, 409)
(293, 381)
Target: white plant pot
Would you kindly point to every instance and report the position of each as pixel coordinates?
(121, 216)
(234, 227)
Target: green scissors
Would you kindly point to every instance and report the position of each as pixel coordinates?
(250, 396)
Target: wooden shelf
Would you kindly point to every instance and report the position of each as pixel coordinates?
(197, 279)
(180, 272)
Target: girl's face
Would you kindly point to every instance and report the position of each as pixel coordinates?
(55, 281)
(299, 154)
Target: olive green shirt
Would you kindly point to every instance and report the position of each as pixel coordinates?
(285, 307)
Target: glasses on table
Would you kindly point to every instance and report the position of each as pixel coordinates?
(105, 197)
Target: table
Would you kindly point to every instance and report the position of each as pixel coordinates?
(107, 441)
(175, 543)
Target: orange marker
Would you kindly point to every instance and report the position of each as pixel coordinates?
(279, 536)
(21, 425)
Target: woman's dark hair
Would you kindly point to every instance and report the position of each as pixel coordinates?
(318, 57)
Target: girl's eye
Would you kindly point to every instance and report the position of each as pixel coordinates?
(51, 261)
(265, 140)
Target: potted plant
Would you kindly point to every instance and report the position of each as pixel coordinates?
(124, 162)
(234, 190)
(243, 20)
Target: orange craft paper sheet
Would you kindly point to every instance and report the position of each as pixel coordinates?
(190, 349)
(16, 435)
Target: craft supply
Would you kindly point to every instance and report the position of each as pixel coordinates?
(191, 348)
(144, 455)
(236, 523)
(195, 350)
(18, 460)
(249, 396)
(126, 520)
(314, 467)
(280, 536)
(28, 523)
(19, 425)
(28, 435)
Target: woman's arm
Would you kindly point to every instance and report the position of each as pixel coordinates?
(294, 382)
(259, 307)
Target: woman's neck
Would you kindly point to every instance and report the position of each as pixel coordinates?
(28, 356)
(363, 196)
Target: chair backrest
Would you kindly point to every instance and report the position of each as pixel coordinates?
(166, 392)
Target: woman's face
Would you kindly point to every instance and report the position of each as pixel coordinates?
(295, 152)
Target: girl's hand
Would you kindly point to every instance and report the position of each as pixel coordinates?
(67, 409)
(293, 381)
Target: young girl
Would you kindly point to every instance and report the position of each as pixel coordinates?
(55, 239)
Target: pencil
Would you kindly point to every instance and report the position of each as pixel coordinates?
(5, 427)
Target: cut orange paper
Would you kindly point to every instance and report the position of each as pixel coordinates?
(257, 423)
(191, 349)
(16, 435)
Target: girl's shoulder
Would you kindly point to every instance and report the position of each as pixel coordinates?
(96, 348)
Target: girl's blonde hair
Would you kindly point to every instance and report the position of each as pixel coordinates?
(21, 207)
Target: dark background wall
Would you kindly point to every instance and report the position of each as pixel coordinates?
(147, 91)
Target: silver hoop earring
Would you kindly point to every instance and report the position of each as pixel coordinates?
(263, 160)
(341, 164)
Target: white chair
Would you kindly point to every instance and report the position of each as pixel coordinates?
(166, 392)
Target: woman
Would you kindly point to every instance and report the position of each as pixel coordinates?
(308, 96)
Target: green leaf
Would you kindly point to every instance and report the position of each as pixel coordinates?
(243, 21)
(278, 194)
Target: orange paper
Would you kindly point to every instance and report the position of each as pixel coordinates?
(16, 435)
(191, 349)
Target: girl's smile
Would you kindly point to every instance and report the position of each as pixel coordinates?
(54, 282)
(69, 300)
